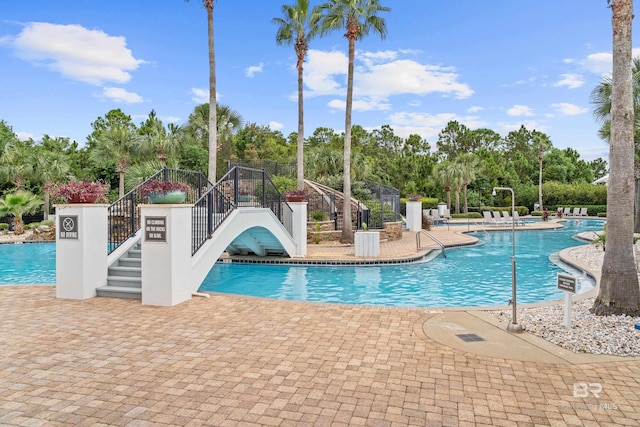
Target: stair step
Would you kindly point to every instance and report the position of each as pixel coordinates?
(124, 271)
(124, 281)
(119, 292)
(129, 262)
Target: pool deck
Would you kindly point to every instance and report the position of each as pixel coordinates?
(236, 360)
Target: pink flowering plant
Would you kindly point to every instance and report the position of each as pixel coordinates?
(82, 191)
(295, 194)
(414, 197)
(162, 187)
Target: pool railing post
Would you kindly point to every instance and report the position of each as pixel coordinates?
(513, 326)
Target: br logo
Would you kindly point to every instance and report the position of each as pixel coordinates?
(583, 389)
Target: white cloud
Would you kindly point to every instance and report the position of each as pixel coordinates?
(505, 127)
(170, 119)
(121, 95)
(599, 63)
(361, 105)
(275, 125)
(199, 96)
(320, 71)
(520, 110)
(572, 81)
(379, 75)
(89, 56)
(475, 109)
(428, 125)
(409, 77)
(569, 109)
(254, 69)
(24, 136)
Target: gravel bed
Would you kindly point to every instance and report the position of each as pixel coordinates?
(611, 335)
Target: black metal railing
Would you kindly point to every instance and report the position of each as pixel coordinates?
(271, 167)
(240, 187)
(321, 207)
(124, 213)
(381, 207)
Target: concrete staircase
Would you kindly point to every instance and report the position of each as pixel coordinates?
(124, 278)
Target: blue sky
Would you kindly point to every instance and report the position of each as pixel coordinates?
(497, 64)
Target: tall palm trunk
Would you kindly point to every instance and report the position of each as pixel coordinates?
(619, 289)
(213, 118)
(540, 156)
(300, 152)
(347, 231)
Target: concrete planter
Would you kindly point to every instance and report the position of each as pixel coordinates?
(367, 243)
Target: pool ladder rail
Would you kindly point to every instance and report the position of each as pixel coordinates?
(432, 237)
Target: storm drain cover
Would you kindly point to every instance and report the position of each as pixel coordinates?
(470, 337)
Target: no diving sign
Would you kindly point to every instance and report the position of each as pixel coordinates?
(68, 227)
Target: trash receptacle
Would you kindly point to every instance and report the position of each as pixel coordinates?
(442, 209)
(536, 206)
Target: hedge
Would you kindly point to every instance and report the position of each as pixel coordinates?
(472, 215)
(4, 226)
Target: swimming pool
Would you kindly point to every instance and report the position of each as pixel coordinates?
(27, 263)
(470, 276)
(478, 275)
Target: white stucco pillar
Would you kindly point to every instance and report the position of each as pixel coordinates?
(414, 216)
(166, 254)
(299, 227)
(81, 249)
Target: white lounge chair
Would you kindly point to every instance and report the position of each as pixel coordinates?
(518, 219)
(567, 211)
(583, 211)
(498, 217)
(488, 219)
(576, 212)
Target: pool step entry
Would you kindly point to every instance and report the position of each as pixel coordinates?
(124, 278)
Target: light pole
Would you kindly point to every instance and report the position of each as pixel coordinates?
(513, 326)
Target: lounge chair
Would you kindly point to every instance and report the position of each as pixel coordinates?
(498, 218)
(567, 212)
(576, 212)
(583, 211)
(506, 217)
(488, 219)
(517, 219)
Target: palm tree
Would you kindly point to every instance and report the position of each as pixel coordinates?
(601, 100)
(298, 27)
(543, 145)
(467, 163)
(444, 174)
(117, 144)
(18, 204)
(619, 291)
(213, 119)
(52, 167)
(16, 163)
(358, 18)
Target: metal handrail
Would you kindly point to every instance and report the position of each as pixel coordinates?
(123, 215)
(239, 187)
(432, 237)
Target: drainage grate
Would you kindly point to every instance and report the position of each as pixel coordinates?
(470, 337)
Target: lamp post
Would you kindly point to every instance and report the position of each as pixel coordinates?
(513, 326)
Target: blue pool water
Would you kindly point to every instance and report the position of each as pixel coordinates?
(478, 275)
(32, 263)
(470, 276)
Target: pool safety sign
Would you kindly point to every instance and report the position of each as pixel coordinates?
(567, 283)
(155, 228)
(68, 227)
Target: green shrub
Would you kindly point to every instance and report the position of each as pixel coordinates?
(602, 214)
(318, 215)
(4, 226)
(31, 225)
(536, 213)
(472, 215)
(47, 222)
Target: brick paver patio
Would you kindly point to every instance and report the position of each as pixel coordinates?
(232, 360)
